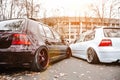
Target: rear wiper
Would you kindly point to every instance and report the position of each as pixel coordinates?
(5, 30)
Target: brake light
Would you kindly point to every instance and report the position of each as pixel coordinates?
(105, 42)
(20, 39)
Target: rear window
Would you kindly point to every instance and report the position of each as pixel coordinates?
(11, 25)
(112, 32)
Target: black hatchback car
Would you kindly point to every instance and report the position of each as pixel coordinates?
(25, 42)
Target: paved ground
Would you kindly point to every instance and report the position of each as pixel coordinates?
(67, 69)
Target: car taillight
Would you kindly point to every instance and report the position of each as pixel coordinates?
(20, 39)
(105, 42)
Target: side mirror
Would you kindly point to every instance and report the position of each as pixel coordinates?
(64, 41)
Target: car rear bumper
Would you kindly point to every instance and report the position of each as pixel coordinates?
(15, 58)
(109, 55)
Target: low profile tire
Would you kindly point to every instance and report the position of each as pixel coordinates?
(41, 60)
(68, 53)
(92, 56)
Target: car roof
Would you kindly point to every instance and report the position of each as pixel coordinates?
(98, 28)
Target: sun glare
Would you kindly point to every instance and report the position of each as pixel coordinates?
(68, 7)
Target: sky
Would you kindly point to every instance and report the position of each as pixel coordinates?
(67, 7)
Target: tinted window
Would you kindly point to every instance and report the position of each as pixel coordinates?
(11, 24)
(48, 32)
(89, 37)
(41, 30)
(56, 35)
(80, 39)
(112, 32)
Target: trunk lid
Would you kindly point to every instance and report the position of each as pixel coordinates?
(7, 29)
(114, 35)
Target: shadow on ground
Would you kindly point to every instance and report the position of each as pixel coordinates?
(106, 64)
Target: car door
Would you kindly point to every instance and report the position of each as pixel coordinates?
(77, 47)
(83, 44)
(51, 43)
(60, 43)
(86, 43)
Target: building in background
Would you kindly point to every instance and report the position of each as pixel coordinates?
(72, 27)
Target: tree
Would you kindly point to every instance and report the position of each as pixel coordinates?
(31, 8)
(18, 9)
(106, 10)
(2, 9)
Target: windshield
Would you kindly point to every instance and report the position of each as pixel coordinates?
(11, 25)
(112, 32)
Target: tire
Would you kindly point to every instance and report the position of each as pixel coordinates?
(41, 60)
(92, 56)
(68, 53)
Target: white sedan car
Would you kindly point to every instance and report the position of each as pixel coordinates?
(98, 45)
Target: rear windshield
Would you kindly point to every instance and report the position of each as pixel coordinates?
(11, 25)
(112, 32)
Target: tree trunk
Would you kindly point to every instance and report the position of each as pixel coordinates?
(11, 9)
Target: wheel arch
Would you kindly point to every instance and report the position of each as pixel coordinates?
(94, 48)
(42, 46)
(34, 65)
(95, 58)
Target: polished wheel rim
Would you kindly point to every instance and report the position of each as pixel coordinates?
(90, 55)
